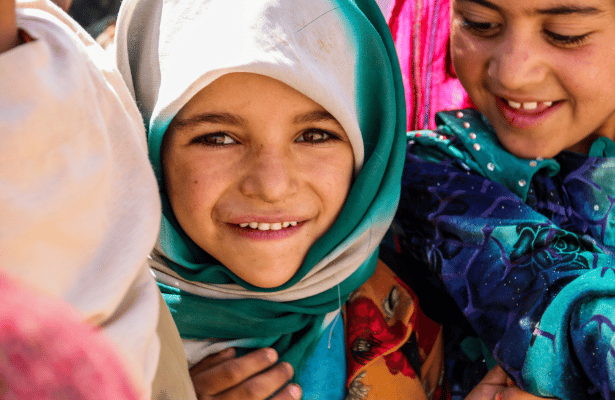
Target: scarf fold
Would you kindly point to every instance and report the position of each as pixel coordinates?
(337, 52)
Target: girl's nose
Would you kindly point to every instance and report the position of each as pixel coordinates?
(270, 176)
(515, 65)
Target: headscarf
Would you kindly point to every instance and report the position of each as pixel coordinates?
(420, 29)
(79, 208)
(340, 54)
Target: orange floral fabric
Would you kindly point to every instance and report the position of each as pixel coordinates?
(393, 350)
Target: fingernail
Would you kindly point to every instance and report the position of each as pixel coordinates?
(294, 390)
(289, 368)
(271, 355)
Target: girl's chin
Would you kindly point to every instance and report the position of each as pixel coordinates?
(267, 275)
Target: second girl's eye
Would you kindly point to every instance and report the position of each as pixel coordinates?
(566, 40)
(315, 136)
(481, 28)
(213, 139)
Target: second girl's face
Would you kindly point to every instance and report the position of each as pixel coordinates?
(256, 172)
(541, 71)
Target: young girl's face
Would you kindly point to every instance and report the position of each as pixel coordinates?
(256, 172)
(541, 71)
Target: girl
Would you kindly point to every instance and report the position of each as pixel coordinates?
(276, 131)
(514, 207)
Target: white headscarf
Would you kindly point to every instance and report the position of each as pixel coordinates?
(79, 207)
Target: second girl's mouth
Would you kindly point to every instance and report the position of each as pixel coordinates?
(524, 115)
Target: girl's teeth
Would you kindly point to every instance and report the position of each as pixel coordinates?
(266, 226)
(548, 103)
(530, 106)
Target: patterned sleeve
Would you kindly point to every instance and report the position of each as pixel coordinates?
(541, 297)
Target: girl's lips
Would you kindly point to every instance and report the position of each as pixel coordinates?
(522, 117)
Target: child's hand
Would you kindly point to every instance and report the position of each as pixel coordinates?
(255, 376)
(496, 385)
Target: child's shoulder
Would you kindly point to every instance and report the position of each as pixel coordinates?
(464, 139)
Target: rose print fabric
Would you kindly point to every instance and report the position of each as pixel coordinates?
(393, 350)
(525, 247)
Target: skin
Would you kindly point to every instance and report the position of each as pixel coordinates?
(496, 385)
(8, 26)
(250, 148)
(558, 51)
(253, 376)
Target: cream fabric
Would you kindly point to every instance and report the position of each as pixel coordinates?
(79, 208)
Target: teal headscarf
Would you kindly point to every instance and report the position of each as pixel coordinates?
(341, 55)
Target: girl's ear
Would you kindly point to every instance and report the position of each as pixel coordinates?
(8, 26)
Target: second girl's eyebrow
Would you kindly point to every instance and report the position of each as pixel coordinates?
(560, 9)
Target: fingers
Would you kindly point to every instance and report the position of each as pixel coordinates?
(265, 384)
(489, 386)
(211, 361)
(496, 376)
(514, 393)
(252, 376)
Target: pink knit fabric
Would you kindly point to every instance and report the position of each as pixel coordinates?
(420, 29)
(47, 353)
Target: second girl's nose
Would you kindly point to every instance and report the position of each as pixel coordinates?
(515, 65)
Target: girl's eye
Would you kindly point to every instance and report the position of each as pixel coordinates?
(481, 28)
(565, 40)
(315, 136)
(213, 139)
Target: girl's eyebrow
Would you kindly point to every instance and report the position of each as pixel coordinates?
(562, 9)
(211, 118)
(315, 116)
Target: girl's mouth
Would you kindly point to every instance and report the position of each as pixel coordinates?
(266, 226)
(525, 115)
(269, 230)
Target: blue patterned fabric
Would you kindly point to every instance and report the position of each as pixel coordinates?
(526, 248)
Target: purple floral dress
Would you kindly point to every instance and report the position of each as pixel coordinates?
(526, 248)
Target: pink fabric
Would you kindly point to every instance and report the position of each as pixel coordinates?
(420, 29)
(47, 352)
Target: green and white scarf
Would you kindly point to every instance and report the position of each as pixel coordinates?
(337, 52)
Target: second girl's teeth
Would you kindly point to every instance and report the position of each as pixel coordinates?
(514, 104)
(533, 105)
(266, 226)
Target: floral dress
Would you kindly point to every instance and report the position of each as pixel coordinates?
(526, 248)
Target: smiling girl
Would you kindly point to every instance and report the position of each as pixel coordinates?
(276, 131)
(512, 204)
